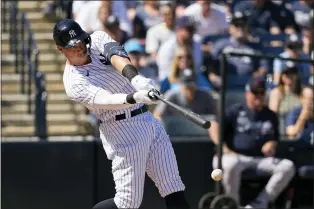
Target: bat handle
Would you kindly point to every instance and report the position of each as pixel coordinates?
(153, 94)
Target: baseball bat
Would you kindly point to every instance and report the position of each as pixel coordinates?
(192, 116)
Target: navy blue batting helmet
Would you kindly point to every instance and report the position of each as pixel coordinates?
(67, 33)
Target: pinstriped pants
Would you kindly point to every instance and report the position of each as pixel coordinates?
(136, 146)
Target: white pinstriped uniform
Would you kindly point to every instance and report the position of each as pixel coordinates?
(136, 144)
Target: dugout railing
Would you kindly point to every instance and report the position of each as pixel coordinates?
(26, 54)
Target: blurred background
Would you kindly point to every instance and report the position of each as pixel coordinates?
(51, 154)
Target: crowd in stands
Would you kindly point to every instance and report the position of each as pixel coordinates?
(178, 44)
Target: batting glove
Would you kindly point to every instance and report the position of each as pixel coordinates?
(141, 83)
(142, 96)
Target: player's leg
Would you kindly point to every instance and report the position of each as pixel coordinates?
(232, 166)
(128, 165)
(162, 168)
(282, 171)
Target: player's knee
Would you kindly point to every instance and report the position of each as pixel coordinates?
(129, 201)
(231, 169)
(286, 166)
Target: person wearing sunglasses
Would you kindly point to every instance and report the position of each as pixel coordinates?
(250, 143)
(286, 95)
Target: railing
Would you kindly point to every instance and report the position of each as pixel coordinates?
(24, 47)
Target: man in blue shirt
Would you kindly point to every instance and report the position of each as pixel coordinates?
(251, 142)
(300, 121)
(266, 16)
(240, 69)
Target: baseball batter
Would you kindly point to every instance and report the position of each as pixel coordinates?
(99, 75)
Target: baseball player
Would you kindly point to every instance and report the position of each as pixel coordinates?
(99, 75)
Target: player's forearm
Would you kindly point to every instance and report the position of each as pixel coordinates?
(214, 132)
(106, 100)
(119, 62)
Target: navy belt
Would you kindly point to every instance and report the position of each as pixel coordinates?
(135, 112)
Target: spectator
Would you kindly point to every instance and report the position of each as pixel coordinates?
(183, 37)
(293, 49)
(160, 33)
(184, 60)
(307, 39)
(239, 68)
(181, 5)
(103, 13)
(300, 121)
(311, 79)
(188, 96)
(111, 26)
(266, 16)
(209, 19)
(77, 6)
(301, 10)
(88, 18)
(286, 95)
(251, 141)
(136, 52)
(148, 14)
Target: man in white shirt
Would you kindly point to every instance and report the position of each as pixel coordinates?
(161, 32)
(209, 17)
(87, 15)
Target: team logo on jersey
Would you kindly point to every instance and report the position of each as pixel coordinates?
(72, 33)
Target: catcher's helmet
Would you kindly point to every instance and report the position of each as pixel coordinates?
(67, 33)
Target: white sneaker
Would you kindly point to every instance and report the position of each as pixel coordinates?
(257, 204)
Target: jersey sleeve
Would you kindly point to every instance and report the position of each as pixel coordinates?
(83, 93)
(99, 39)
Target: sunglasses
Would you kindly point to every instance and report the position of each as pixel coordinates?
(184, 57)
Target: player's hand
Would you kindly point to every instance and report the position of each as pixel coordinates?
(152, 93)
(141, 83)
(269, 148)
(143, 97)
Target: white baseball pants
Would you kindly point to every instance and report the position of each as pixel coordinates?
(137, 145)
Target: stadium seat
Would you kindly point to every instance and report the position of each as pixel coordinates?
(267, 38)
(272, 50)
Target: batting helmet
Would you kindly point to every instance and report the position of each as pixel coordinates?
(67, 33)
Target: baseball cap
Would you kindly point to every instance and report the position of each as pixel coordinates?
(238, 19)
(256, 85)
(184, 22)
(294, 42)
(187, 77)
(111, 22)
(134, 45)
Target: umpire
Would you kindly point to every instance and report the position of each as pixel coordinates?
(251, 141)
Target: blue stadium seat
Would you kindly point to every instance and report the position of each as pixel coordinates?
(273, 50)
(214, 38)
(267, 38)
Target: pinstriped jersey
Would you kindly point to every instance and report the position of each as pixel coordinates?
(81, 83)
